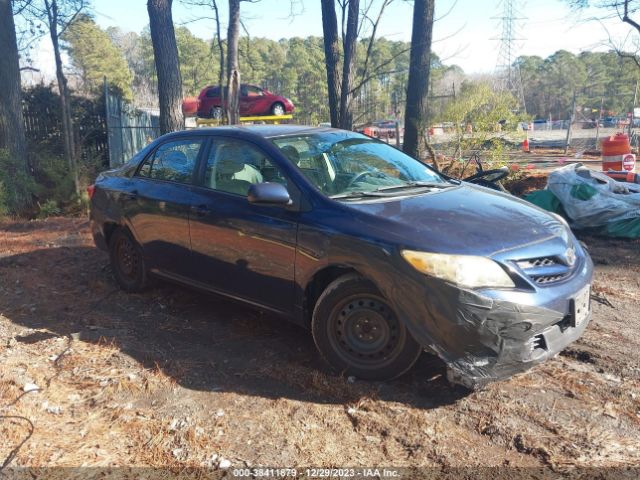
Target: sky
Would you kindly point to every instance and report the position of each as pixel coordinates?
(465, 33)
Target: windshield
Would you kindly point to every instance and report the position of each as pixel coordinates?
(343, 164)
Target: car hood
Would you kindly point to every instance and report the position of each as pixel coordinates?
(464, 219)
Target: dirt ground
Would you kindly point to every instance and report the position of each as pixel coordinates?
(175, 378)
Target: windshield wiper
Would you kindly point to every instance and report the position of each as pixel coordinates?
(414, 185)
(358, 194)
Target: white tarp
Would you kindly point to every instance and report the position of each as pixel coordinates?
(592, 199)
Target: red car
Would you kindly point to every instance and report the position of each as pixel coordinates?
(253, 101)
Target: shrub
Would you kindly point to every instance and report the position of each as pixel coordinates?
(53, 178)
(16, 186)
(49, 209)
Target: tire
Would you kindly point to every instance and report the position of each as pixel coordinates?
(277, 109)
(215, 113)
(127, 262)
(358, 333)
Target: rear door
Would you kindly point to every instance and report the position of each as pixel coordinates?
(157, 206)
(240, 249)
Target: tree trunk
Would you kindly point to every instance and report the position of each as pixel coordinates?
(221, 57)
(11, 121)
(348, 66)
(233, 73)
(65, 96)
(165, 52)
(415, 119)
(332, 55)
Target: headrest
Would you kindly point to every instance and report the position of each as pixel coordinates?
(291, 153)
(229, 160)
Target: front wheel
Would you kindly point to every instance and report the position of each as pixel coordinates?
(127, 262)
(277, 109)
(358, 333)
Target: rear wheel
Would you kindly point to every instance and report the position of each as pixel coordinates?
(127, 262)
(216, 113)
(277, 109)
(358, 333)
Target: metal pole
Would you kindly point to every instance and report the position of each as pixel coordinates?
(635, 99)
(106, 115)
(571, 120)
(598, 121)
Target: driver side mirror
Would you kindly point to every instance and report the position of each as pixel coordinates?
(268, 193)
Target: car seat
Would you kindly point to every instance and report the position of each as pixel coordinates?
(228, 164)
(291, 153)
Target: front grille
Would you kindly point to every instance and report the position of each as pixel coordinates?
(546, 279)
(538, 342)
(545, 271)
(536, 262)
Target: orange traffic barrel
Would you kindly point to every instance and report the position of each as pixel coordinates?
(371, 132)
(616, 154)
(624, 176)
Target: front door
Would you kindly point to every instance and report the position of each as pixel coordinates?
(158, 204)
(251, 101)
(240, 249)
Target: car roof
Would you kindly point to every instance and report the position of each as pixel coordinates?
(264, 131)
(242, 85)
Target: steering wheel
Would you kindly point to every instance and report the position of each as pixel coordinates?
(491, 176)
(361, 176)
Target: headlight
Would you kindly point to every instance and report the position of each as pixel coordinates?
(463, 270)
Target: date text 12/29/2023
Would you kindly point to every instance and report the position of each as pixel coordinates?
(313, 472)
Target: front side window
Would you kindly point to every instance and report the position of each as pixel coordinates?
(213, 92)
(254, 91)
(172, 161)
(344, 163)
(234, 165)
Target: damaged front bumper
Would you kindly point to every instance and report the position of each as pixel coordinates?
(488, 335)
(511, 338)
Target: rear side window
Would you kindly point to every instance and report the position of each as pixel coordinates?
(213, 92)
(172, 161)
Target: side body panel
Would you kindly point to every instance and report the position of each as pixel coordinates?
(158, 214)
(243, 250)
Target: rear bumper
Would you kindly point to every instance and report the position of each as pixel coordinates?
(99, 237)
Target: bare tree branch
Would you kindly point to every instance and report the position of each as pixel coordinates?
(375, 24)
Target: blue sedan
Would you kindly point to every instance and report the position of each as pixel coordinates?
(380, 256)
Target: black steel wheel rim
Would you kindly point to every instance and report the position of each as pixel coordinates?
(128, 258)
(365, 332)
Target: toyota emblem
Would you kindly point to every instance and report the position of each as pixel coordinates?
(570, 255)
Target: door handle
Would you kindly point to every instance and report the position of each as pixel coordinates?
(200, 210)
